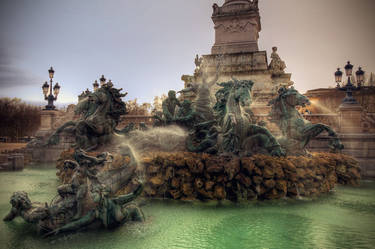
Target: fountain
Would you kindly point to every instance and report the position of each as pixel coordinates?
(197, 150)
(186, 156)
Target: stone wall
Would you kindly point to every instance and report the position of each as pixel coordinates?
(11, 162)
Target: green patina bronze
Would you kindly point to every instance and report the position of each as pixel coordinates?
(297, 131)
(100, 113)
(169, 106)
(186, 115)
(109, 212)
(240, 135)
(86, 199)
(232, 130)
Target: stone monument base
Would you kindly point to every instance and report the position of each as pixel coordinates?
(241, 66)
(235, 47)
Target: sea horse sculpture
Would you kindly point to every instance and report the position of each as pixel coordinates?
(239, 135)
(90, 196)
(100, 113)
(297, 131)
(109, 212)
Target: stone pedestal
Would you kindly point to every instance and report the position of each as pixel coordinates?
(350, 118)
(243, 66)
(47, 121)
(50, 120)
(236, 53)
(237, 27)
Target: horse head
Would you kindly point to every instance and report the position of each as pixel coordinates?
(293, 98)
(81, 106)
(242, 91)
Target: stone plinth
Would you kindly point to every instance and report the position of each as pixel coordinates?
(245, 66)
(50, 121)
(350, 118)
(12, 162)
(237, 27)
(47, 121)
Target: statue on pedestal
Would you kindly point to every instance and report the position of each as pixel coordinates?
(276, 66)
(169, 109)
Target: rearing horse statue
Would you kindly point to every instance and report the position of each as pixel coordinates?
(100, 113)
(297, 131)
(239, 135)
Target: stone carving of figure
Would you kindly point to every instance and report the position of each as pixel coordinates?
(198, 65)
(216, 9)
(31, 212)
(255, 4)
(277, 66)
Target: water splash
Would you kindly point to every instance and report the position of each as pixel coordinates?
(298, 193)
(137, 143)
(167, 139)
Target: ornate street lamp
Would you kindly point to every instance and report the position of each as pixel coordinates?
(95, 85)
(338, 77)
(48, 88)
(348, 69)
(56, 89)
(51, 72)
(102, 80)
(349, 87)
(360, 75)
(45, 88)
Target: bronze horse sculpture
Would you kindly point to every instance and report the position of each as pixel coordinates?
(232, 130)
(100, 113)
(297, 131)
(240, 135)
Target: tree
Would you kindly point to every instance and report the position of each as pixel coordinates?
(18, 119)
(137, 109)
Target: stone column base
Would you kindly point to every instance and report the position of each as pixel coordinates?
(235, 47)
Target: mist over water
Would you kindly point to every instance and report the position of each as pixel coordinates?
(156, 139)
(166, 139)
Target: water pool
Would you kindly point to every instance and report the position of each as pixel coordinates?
(342, 219)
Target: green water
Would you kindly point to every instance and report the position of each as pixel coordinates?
(343, 219)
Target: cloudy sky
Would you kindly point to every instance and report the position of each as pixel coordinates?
(145, 46)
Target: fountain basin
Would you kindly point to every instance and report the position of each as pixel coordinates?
(192, 176)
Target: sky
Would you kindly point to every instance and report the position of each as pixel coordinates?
(145, 46)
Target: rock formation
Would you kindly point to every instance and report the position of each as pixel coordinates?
(191, 176)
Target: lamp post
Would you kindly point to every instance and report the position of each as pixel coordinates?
(95, 85)
(349, 87)
(48, 88)
(102, 80)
